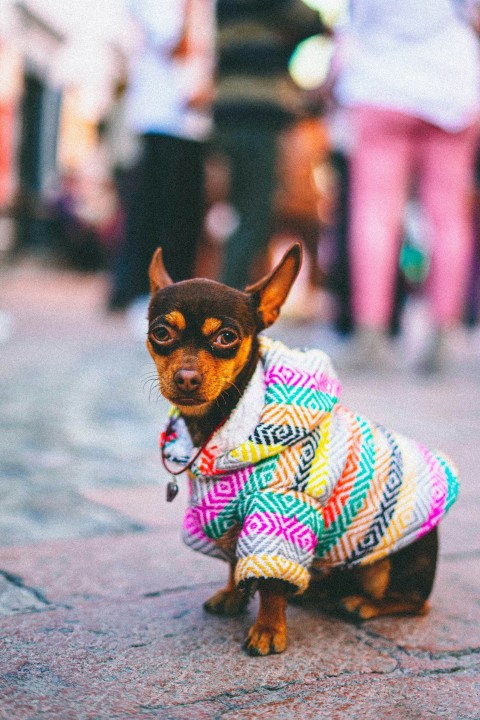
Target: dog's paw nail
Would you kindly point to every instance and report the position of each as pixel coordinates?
(251, 650)
(265, 641)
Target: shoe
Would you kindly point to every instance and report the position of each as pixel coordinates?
(6, 326)
(435, 357)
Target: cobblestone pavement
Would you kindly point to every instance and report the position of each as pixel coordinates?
(100, 604)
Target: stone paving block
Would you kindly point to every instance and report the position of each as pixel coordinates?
(373, 698)
(145, 504)
(109, 657)
(459, 536)
(113, 567)
(15, 597)
(163, 657)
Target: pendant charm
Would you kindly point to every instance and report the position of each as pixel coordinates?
(172, 490)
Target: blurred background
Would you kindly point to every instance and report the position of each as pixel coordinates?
(66, 140)
(128, 125)
(71, 138)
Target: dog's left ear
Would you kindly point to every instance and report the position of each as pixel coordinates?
(271, 291)
(158, 276)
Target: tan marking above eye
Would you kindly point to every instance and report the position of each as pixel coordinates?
(211, 325)
(176, 319)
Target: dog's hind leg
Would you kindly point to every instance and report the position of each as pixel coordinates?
(231, 600)
(397, 585)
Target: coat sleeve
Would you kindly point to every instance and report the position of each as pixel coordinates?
(279, 534)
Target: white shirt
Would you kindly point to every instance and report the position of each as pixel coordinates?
(416, 56)
(160, 87)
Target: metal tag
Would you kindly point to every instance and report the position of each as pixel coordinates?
(172, 490)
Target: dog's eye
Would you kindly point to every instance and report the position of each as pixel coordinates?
(162, 335)
(226, 339)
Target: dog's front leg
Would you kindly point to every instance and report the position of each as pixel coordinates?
(269, 634)
(231, 600)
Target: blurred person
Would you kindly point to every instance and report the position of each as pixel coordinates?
(303, 198)
(75, 224)
(338, 273)
(409, 74)
(83, 212)
(169, 88)
(255, 100)
(10, 96)
(472, 310)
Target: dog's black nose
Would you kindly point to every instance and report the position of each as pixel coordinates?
(187, 380)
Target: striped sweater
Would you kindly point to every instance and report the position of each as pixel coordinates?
(294, 479)
(255, 39)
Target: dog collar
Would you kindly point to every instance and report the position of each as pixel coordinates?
(172, 485)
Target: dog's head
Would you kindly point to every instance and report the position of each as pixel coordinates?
(203, 334)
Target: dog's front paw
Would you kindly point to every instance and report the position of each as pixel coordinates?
(265, 640)
(227, 602)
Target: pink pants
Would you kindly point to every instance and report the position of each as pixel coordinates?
(392, 148)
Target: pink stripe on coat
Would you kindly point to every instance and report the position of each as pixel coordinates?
(224, 490)
(439, 491)
(280, 375)
(290, 529)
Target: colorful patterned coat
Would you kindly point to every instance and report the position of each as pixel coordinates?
(295, 479)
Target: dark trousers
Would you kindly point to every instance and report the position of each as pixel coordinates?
(164, 204)
(252, 155)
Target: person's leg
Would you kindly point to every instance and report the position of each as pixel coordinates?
(380, 172)
(124, 282)
(446, 193)
(163, 209)
(161, 188)
(189, 203)
(252, 155)
(148, 217)
(446, 190)
(340, 280)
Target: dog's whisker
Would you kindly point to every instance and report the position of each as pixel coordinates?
(236, 388)
(150, 381)
(153, 378)
(155, 389)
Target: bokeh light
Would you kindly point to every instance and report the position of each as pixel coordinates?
(310, 62)
(331, 11)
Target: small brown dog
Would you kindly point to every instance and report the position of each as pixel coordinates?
(284, 480)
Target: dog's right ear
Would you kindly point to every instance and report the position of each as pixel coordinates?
(158, 276)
